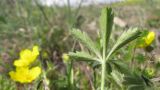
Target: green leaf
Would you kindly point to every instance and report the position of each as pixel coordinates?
(140, 58)
(136, 87)
(106, 22)
(124, 39)
(82, 56)
(128, 52)
(108, 68)
(117, 77)
(135, 81)
(86, 40)
(2, 19)
(140, 40)
(120, 66)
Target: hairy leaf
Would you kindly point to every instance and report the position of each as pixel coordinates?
(86, 40)
(117, 77)
(120, 66)
(82, 56)
(125, 38)
(136, 87)
(136, 81)
(106, 22)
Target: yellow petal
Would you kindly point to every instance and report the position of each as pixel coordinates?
(21, 63)
(27, 57)
(150, 37)
(146, 40)
(25, 54)
(24, 74)
(35, 50)
(12, 75)
(19, 75)
(35, 72)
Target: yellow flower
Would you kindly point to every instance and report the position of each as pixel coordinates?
(150, 37)
(146, 40)
(27, 57)
(24, 74)
(65, 57)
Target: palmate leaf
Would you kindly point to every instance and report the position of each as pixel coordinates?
(133, 80)
(136, 81)
(120, 66)
(125, 38)
(136, 87)
(117, 77)
(82, 56)
(106, 22)
(86, 40)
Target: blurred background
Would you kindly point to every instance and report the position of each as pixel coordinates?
(46, 23)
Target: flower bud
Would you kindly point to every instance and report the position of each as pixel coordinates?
(65, 58)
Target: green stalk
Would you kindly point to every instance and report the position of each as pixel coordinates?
(69, 12)
(70, 75)
(103, 75)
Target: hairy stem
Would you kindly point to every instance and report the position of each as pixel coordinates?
(103, 75)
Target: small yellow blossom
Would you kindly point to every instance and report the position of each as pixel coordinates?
(150, 37)
(24, 74)
(147, 40)
(65, 57)
(27, 57)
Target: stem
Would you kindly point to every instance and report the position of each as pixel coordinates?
(103, 75)
(71, 76)
(69, 12)
(132, 59)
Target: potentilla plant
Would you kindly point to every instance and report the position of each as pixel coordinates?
(101, 52)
